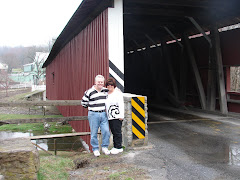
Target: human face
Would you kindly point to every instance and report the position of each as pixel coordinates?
(99, 83)
(110, 88)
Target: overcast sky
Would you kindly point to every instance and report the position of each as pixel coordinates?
(33, 22)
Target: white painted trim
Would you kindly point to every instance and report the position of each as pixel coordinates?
(116, 76)
(115, 35)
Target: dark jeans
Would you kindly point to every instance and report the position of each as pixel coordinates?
(116, 129)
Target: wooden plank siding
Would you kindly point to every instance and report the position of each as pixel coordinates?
(74, 68)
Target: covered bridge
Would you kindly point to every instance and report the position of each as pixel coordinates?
(175, 52)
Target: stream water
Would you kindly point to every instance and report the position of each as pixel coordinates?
(63, 144)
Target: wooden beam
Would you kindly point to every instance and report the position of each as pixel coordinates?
(41, 103)
(185, 3)
(173, 36)
(162, 12)
(211, 87)
(200, 30)
(42, 120)
(183, 77)
(170, 68)
(51, 136)
(196, 72)
(42, 149)
(233, 101)
(220, 73)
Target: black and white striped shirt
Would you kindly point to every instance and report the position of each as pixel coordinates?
(94, 100)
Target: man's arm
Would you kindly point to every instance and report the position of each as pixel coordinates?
(85, 100)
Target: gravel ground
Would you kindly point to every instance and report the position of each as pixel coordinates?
(13, 110)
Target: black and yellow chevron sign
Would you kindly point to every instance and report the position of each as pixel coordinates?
(138, 117)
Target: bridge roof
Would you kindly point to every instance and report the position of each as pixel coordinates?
(146, 21)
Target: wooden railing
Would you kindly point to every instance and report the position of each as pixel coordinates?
(42, 103)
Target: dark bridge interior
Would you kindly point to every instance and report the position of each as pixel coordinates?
(163, 63)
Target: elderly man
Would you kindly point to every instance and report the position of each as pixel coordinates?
(94, 98)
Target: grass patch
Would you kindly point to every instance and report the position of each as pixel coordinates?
(116, 175)
(25, 116)
(36, 127)
(54, 167)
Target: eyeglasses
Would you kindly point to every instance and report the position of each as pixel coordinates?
(109, 85)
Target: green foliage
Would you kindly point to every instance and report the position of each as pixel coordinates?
(40, 176)
(22, 127)
(116, 175)
(25, 116)
(54, 167)
(59, 128)
(54, 128)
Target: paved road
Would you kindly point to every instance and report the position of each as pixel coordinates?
(191, 147)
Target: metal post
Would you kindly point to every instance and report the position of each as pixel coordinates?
(55, 147)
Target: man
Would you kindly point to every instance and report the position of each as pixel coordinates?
(94, 98)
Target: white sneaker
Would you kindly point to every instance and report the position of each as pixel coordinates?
(116, 151)
(105, 151)
(96, 153)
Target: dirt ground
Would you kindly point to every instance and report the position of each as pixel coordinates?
(106, 167)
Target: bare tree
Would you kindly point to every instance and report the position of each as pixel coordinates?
(38, 72)
(11, 60)
(50, 44)
(16, 57)
(4, 81)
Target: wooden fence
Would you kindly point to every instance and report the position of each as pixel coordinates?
(42, 103)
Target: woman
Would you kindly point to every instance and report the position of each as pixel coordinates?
(115, 112)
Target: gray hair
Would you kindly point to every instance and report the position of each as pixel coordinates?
(99, 76)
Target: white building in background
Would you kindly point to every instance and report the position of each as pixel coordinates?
(34, 70)
(33, 74)
(3, 67)
(38, 73)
